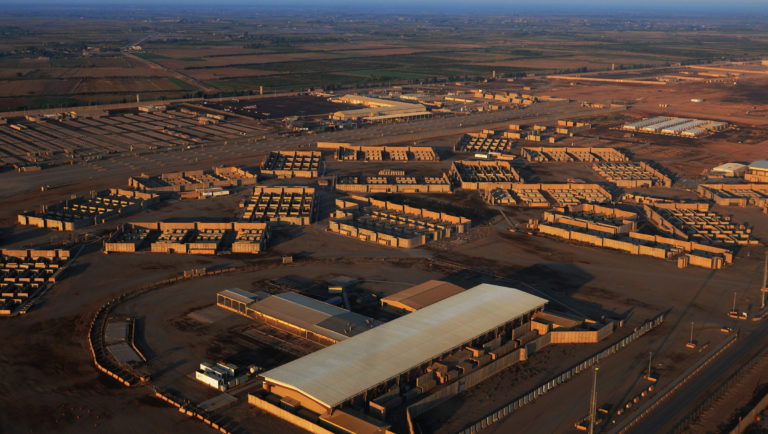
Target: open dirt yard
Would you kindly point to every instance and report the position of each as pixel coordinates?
(46, 371)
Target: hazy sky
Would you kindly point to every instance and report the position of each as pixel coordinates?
(585, 7)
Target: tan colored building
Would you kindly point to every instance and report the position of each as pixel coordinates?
(421, 295)
(757, 172)
(280, 204)
(297, 314)
(391, 224)
(200, 238)
(378, 109)
(293, 164)
(394, 184)
(484, 175)
(193, 180)
(364, 367)
(632, 175)
(85, 211)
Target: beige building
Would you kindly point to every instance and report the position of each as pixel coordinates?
(378, 109)
(421, 295)
(757, 172)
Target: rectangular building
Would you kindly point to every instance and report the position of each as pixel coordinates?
(421, 295)
(337, 375)
(757, 172)
(297, 314)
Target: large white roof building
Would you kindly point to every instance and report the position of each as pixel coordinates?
(340, 372)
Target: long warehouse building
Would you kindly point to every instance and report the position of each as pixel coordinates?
(297, 314)
(396, 352)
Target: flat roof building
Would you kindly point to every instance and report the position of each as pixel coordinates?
(379, 109)
(761, 165)
(421, 295)
(335, 375)
(757, 172)
(730, 169)
(298, 314)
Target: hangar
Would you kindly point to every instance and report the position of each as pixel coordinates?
(396, 352)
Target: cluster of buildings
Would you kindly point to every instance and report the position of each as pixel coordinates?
(392, 224)
(348, 152)
(484, 175)
(62, 138)
(223, 376)
(572, 154)
(196, 183)
(280, 204)
(501, 97)
(736, 194)
(632, 175)
(546, 195)
(378, 109)
(86, 211)
(617, 229)
(389, 182)
(486, 143)
(755, 172)
(195, 238)
(448, 339)
(293, 164)
(732, 191)
(25, 274)
(683, 127)
(698, 223)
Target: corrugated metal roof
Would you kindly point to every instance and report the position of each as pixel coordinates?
(343, 370)
(422, 295)
(759, 165)
(239, 295)
(313, 315)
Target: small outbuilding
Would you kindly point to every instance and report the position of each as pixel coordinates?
(730, 170)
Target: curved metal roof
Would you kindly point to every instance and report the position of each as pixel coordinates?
(344, 370)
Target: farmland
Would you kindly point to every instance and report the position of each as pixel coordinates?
(110, 59)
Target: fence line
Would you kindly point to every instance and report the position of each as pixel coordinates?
(677, 384)
(561, 378)
(694, 415)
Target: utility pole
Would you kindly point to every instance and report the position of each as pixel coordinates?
(691, 341)
(650, 357)
(593, 403)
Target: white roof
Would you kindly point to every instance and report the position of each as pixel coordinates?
(759, 165)
(729, 167)
(346, 369)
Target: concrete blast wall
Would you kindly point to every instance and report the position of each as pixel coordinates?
(714, 258)
(581, 337)
(34, 254)
(286, 415)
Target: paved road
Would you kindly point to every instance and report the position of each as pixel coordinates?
(445, 126)
(233, 152)
(686, 399)
(181, 76)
